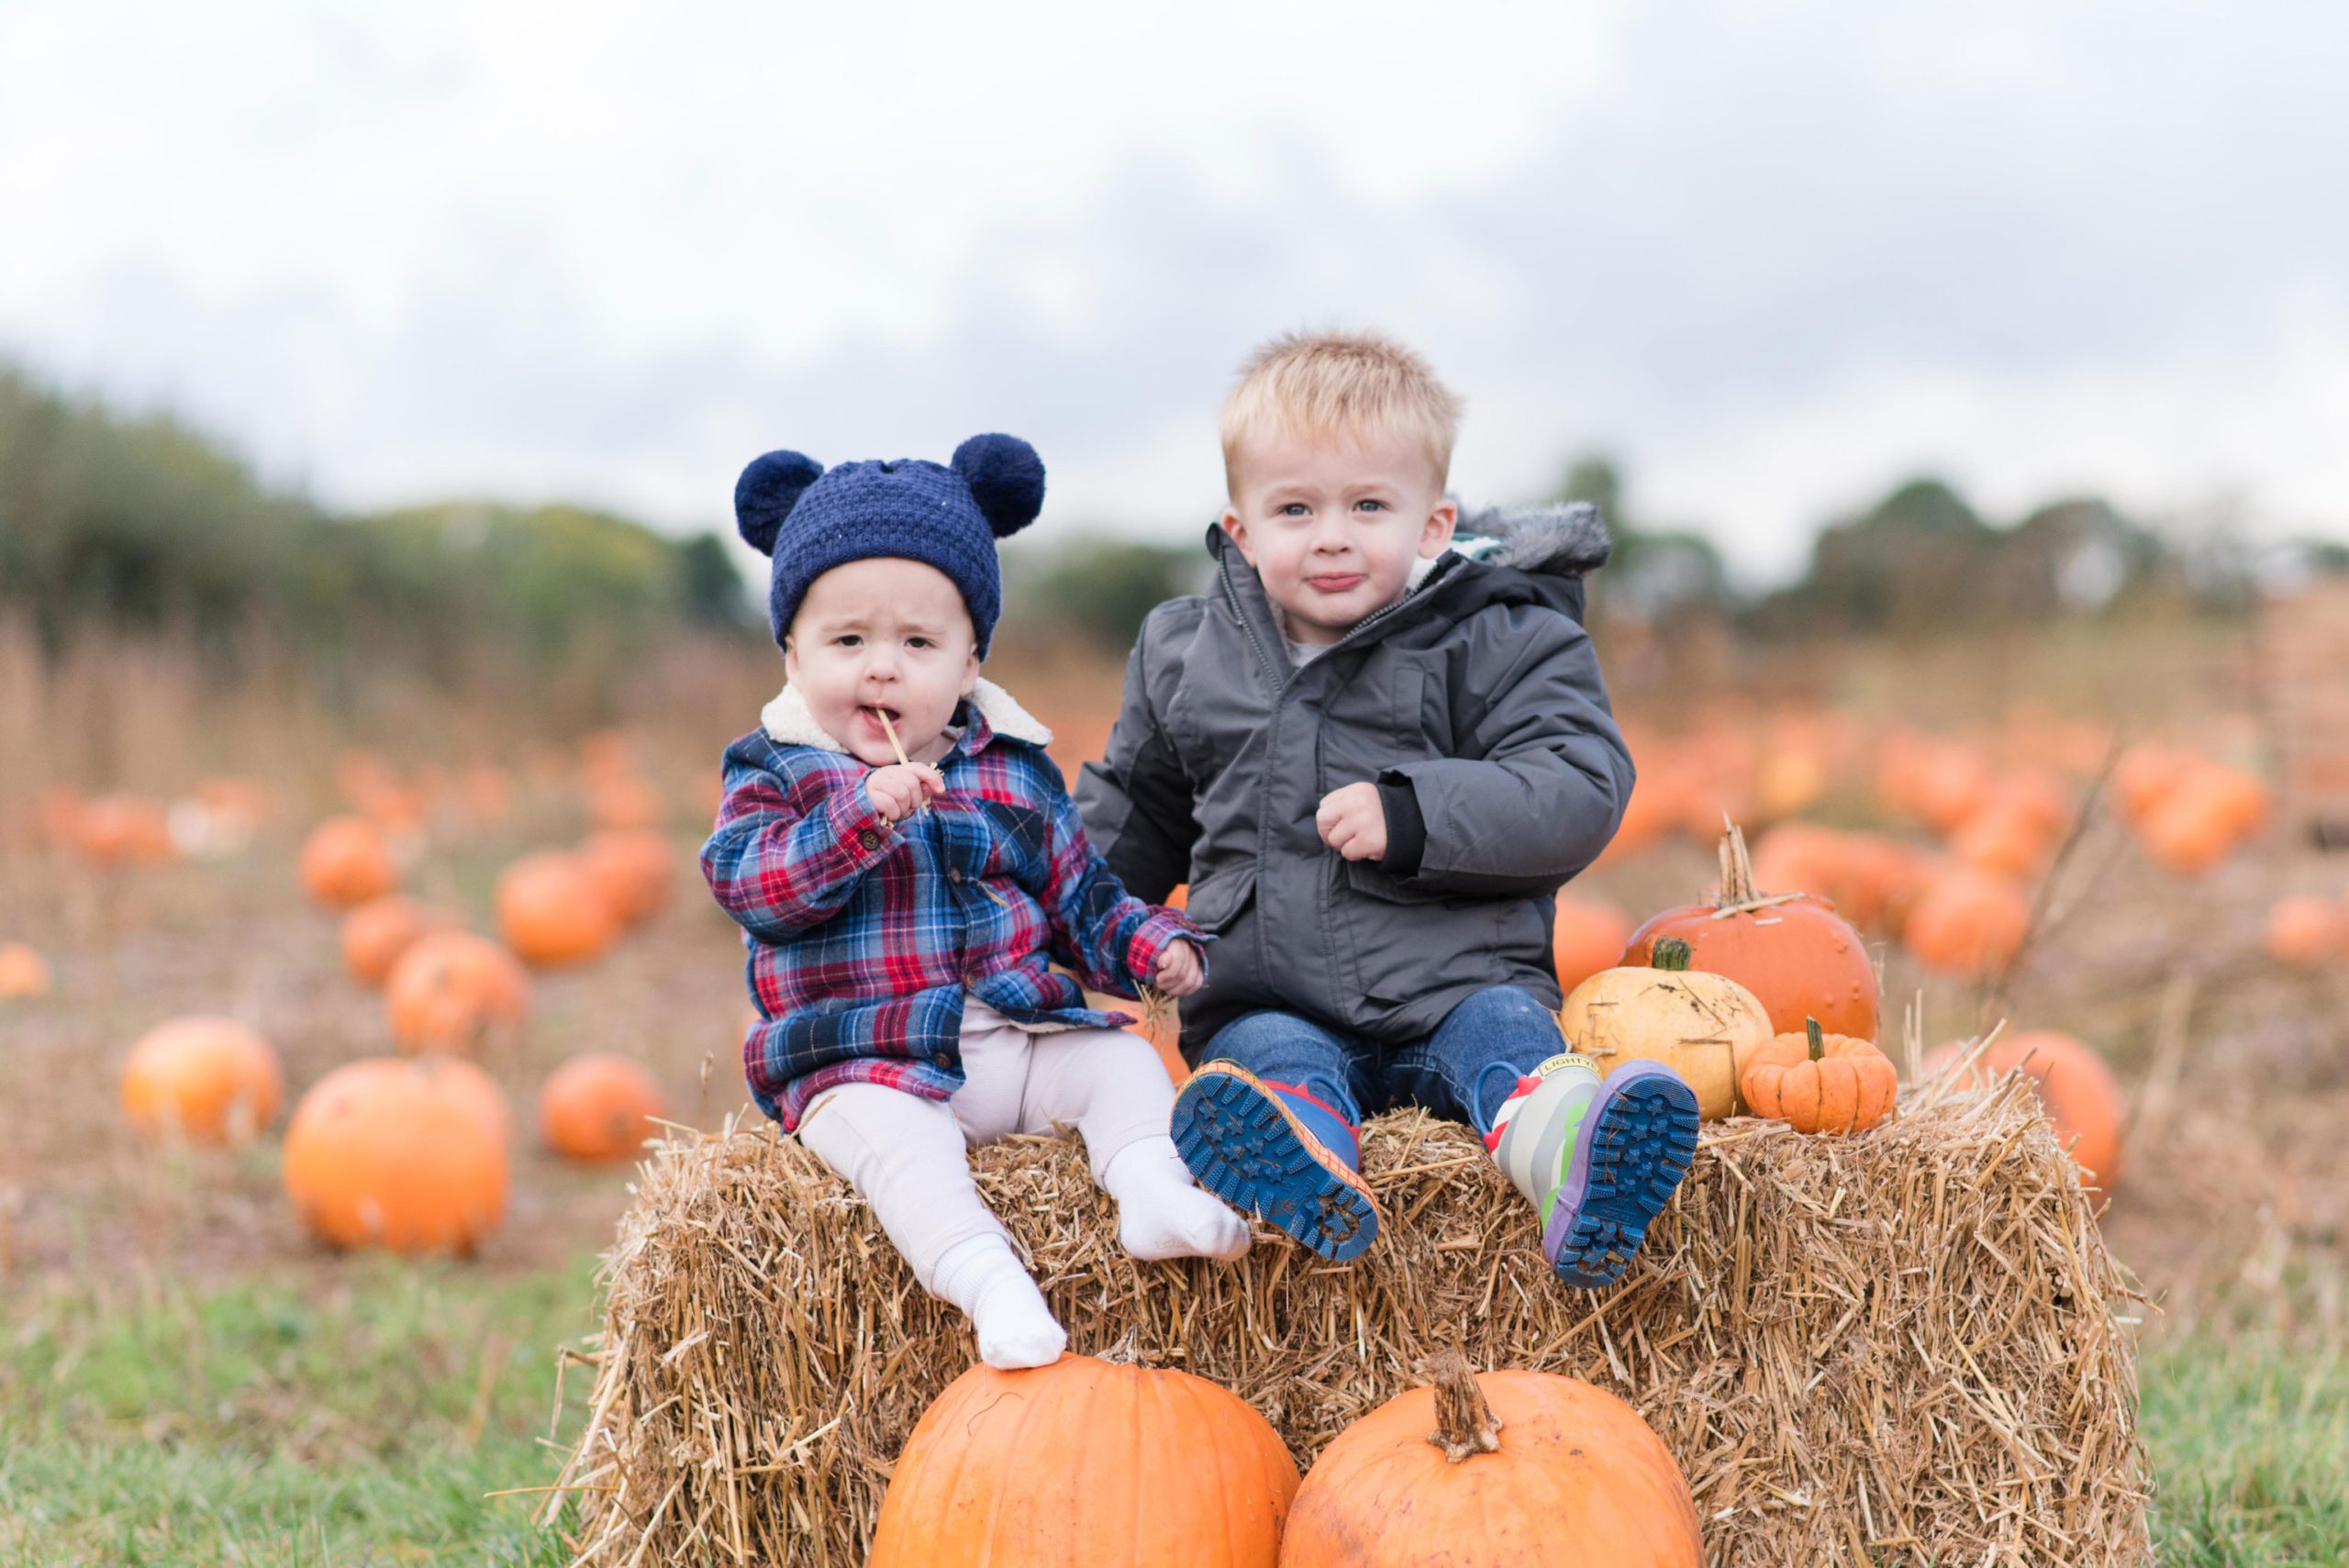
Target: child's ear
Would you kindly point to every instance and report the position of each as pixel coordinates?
(791, 660)
(1237, 528)
(1440, 523)
(971, 674)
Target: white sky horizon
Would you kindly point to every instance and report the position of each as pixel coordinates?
(607, 254)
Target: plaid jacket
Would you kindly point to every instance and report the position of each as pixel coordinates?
(863, 937)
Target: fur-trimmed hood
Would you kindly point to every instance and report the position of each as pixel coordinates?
(1565, 538)
(788, 721)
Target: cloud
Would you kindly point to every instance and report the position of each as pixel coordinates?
(1777, 263)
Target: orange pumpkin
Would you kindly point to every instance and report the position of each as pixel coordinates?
(2074, 1086)
(345, 862)
(624, 803)
(2188, 833)
(1791, 949)
(1967, 921)
(1816, 1082)
(375, 934)
(551, 911)
(1013, 1469)
(121, 829)
(1163, 1031)
(24, 973)
(397, 1153)
(452, 990)
(2306, 932)
(1492, 1471)
(2006, 837)
(598, 1106)
(635, 868)
(1588, 937)
(204, 1080)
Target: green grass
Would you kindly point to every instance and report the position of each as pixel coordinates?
(2250, 1441)
(354, 1422)
(359, 1420)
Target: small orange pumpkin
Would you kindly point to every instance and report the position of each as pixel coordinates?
(598, 1106)
(553, 912)
(1494, 1471)
(2306, 932)
(1816, 1082)
(621, 803)
(24, 973)
(1588, 937)
(204, 1080)
(452, 990)
(376, 933)
(122, 829)
(635, 867)
(345, 862)
(1009, 1470)
(1967, 921)
(397, 1153)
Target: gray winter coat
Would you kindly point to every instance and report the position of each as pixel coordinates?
(1475, 704)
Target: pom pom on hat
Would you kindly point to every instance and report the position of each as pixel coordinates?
(767, 491)
(1006, 480)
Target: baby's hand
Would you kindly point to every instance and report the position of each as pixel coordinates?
(1179, 972)
(901, 789)
(1353, 821)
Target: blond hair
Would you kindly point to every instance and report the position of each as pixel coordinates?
(1331, 386)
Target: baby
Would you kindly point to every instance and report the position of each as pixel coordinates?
(906, 862)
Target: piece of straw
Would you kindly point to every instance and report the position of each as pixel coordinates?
(898, 747)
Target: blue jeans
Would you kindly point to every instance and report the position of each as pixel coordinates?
(1462, 1072)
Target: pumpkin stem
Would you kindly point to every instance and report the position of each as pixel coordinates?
(1818, 1042)
(1738, 892)
(1669, 953)
(1464, 1423)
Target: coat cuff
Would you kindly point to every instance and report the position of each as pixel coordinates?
(862, 834)
(1158, 930)
(1406, 825)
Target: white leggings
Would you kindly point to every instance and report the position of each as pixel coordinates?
(906, 1155)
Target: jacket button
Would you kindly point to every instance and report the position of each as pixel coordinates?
(868, 839)
(943, 1059)
(954, 873)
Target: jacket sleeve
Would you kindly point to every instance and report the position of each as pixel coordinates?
(787, 852)
(1550, 776)
(1137, 801)
(1109, 938)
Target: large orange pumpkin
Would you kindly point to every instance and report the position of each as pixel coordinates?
(635, 867)
(345, 861)
(375, 934)
(452, 990)
(1162, 1027)
(598, 1106)
(2074, 1085)
(1589, 936)
(122, 829)
(1020, 1470)
(397, 1153)
(1503, 1469)
(24, 973)
(1791, 949)
(553, 912)
(1967, 921)
(204, 1080)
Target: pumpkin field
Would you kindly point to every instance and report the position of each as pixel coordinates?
(331, 1057)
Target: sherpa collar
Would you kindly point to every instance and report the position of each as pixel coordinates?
(788, 722)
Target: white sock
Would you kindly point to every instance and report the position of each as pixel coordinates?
(1161, 1212)
(982, 1275)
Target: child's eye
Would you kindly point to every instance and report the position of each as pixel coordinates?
(847, 639)
(1293, 509)
(917, 642)
(1370, 506)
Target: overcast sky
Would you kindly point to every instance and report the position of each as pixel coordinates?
(611, 252)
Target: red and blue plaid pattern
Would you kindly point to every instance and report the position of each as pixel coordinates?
(863, 937)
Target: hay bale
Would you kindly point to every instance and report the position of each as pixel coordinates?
(1900, 1347)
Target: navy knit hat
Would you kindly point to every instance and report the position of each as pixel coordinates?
(809, 521)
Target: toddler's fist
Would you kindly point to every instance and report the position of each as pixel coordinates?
(1353, 821)
(1179, 972)
(901, 789)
